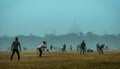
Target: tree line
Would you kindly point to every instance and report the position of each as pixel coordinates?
(31, 42)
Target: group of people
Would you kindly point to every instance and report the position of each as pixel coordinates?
(40, 48)
(16, 44)
(100, 48)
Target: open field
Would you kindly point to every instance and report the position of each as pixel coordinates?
(60, 60)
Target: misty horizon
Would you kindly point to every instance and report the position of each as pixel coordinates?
(60, 17)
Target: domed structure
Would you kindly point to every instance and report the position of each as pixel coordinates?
(75, 28)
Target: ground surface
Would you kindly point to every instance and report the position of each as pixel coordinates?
(60, 60)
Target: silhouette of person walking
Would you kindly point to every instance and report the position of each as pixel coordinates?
(98, 46)
(42, 46)
(64, 47)
(70, 47)
(14, 48)
(83, 47)
(101, 49)
(51, 47)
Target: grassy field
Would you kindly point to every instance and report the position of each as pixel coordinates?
(60, 60)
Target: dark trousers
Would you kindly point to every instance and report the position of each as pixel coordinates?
(82, 51)
(17, 51)
(101, 51)
(40, 50)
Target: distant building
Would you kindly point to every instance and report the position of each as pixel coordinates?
(75, 28)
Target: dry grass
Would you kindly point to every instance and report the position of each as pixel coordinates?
(59, 60)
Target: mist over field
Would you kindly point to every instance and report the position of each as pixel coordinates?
(31, 42)
(60, 22)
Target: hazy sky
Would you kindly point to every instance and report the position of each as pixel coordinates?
(43, 16)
